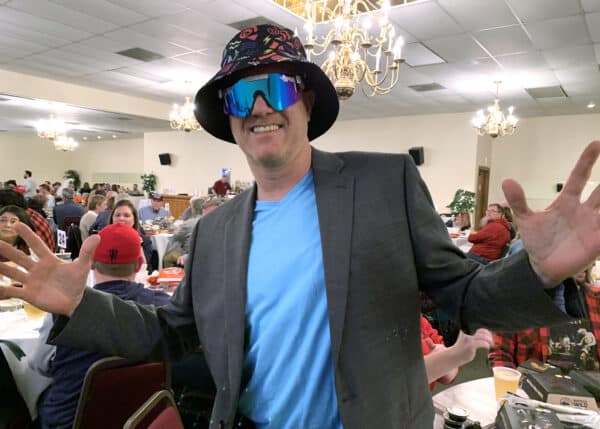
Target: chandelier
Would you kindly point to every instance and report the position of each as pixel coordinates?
(182, 117)
(495, 123)
(66, 144)
(51, 128)
(359, 52)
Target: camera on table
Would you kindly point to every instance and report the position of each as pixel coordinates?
(457, 418)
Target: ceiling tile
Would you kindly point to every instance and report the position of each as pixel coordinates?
(558, 33)
(42, 68)
(425, 20)
(199, 25)
(456, 48)
(140, 40)
(481, 14)
(597, 51)
(540, 10)
(417, 54)
(73, 65)
(100, 59)
(16, 31)
(221, 11)
(24, 47)
(63, 15)
(591, 5)
(104, 10)
(593, 23)
(107, 45)
(506, 40)
(150, 8)
(570, 57)
(578, 74)
(34, 23)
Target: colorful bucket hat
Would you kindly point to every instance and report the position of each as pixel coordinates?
(259, 46)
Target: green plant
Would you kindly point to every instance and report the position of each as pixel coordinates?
(148, 182)
(463, 202)
(74, 176)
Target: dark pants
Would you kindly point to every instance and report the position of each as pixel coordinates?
(477, 258)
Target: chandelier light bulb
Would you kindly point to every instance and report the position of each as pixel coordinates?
(367, 23)
(332, 55)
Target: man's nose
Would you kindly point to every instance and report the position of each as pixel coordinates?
(261, 107)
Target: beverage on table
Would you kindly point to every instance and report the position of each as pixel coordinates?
(32, 311)
(505, 380)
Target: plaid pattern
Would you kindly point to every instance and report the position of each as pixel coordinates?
(42, 228)
(513, 349)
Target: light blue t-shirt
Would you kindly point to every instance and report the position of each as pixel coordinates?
(288, 369)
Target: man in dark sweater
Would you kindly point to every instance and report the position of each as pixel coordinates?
(115, 262)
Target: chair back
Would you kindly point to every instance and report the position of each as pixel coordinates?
(69, 220)
(158, 412)
(114, 388)
(73, 240)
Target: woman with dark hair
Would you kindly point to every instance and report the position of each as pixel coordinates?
(124, 212)
(85, 189)
(9, 216)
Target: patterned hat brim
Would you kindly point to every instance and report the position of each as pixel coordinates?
(209, 107)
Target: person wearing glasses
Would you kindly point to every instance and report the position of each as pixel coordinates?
(490, 242)
(304, 290)
(9, 216)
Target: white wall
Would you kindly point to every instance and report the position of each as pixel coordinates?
(29, 152)
(449, 142)
(541, 153)
(197, 159)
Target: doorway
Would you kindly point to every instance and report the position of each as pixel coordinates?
(481, 199)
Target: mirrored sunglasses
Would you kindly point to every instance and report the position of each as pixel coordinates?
(279, 90)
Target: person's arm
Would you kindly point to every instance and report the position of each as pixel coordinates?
(442, 363)
(481, 235)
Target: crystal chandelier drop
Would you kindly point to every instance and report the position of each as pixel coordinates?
(359, 52)
(65, 144)
(495, 123)
(182, 117)
(51, 128)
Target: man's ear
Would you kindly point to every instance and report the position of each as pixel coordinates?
(309, 101)
(139, 262)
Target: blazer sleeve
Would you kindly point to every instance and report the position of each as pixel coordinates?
(503, 296)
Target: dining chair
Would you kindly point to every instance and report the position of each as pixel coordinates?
(69, 220)
(158, 412)
(114, 388)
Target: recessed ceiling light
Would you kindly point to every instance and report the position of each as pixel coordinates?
(591, 105)
(85, 138)
(114, 136)
(99, 137)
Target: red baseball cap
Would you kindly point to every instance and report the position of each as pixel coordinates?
(119, 244)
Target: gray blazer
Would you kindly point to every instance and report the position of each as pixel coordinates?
(382, 243)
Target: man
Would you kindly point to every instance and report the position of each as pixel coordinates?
(29, 184)
(179, 245)
(41, 226)
(304, 290)
(221, 186)
(115, 263)
(491, 240)
(45, 190)
(155, 210)
(136, 191)
(68, 208)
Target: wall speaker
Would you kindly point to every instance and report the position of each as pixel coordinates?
(559, 187)
(165, 158)
(417, 154)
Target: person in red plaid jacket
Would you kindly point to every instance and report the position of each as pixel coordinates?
(40, 225)
(582, 301)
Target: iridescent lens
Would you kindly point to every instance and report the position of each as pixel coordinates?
(280, 91)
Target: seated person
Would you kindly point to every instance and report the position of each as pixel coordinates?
(568, 345)
(136, 191)
(9, 216)
(115, 262)
(103, 217)
(442, 363)
(68, 208)
(179, 244)
(96, 205)
(490, 241)
(155, 210)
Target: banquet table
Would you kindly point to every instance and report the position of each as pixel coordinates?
(17, 327)
(159, 243)
(462, 243)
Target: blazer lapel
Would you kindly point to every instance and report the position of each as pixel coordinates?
(335, 205)
(237, 247)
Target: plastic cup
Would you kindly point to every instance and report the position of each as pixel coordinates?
(32, 311)
(505, 380)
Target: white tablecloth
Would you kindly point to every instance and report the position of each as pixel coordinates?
(159, 243)
(462, 243)
(15, 326)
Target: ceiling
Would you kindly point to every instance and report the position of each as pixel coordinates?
(524, 43)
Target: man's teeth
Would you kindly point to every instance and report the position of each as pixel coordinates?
(265, 128)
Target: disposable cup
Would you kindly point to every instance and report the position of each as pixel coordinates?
(505, 380)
